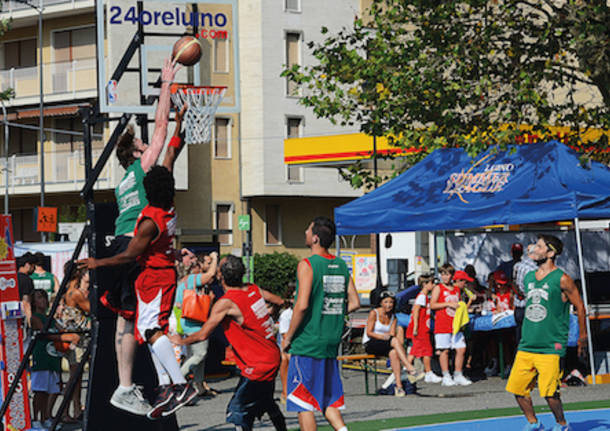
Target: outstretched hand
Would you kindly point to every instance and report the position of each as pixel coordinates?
(169, 70)
(88, 263)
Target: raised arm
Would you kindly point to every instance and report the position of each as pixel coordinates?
(272, 297)
(569, 289)
(150, 156)
(176, 144)
(147, 231)
(220, 310)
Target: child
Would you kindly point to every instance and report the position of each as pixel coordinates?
(503, 296)
(284, 324)
(45, 379)
(419, 329)
(444, 301)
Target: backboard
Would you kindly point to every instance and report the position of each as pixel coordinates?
(136, 36)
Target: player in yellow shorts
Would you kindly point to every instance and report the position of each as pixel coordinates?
(549, 292)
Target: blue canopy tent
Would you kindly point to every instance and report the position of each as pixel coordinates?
(449, 190)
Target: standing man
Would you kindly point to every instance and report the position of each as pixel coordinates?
(42, 278)
(549, 292)
(325, 293)
(520, 270)
(137, 158)
(516, 251)
(249, 328)
(25, 284)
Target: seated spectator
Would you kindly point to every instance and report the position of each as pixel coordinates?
(380, 339)
(503, 296)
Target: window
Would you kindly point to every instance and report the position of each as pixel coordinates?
(221, 55)
(272, 225)
(222, 138)
(21, 53)
(23, 225)
(292, 58)
(23, 141)
(292, 5)
(293, 130)
(66, 142)
(224, 221)
(69, 46)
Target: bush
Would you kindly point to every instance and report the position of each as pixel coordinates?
(274, 271)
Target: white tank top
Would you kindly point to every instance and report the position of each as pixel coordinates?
(379, 328)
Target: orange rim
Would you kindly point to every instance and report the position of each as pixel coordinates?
(174, 88)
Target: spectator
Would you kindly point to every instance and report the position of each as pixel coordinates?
(197, 352)
(380, 339)
(25, 266)
(419, 329)
(519, 271)
(74, 317)
(42, 278)
(516, 251)
(503, 296)
(444, 301)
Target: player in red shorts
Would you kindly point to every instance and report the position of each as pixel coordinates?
(243, 314)
(155, 286)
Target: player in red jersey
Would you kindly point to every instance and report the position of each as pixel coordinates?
(249, 328)
(155, 287)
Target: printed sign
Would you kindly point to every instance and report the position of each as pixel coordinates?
(17, 416)
(243, 222)
(46, 219)
(364, 273)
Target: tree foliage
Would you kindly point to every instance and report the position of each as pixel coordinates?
(274, 271)
(8, 92)
(474, 73)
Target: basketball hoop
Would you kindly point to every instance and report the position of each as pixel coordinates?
(202, 102)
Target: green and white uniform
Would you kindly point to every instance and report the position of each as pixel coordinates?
(131, 198)
(44, 281)
(319, 335)
(547, 315)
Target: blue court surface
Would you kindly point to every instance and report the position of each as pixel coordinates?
(583, 420)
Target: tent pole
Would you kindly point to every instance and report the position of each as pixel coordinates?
(435, 255)
(338, 244)
(585, 298)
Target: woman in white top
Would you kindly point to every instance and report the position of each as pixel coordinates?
(380, 339)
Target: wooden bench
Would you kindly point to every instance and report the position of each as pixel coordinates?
(364, 364)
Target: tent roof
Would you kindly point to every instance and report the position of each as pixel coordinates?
(449, 190)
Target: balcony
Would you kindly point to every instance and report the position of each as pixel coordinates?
(62, 80)
(64, 172)
(11, 6)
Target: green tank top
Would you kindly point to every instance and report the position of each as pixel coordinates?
(44, 281)
(319, 335)
(44, 356)
(131, 199)
(547, 316)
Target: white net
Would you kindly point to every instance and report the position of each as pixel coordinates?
(202, 103)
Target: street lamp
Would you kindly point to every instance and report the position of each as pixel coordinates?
(39, 9)
(5, 121)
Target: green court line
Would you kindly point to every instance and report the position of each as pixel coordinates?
(384, 424)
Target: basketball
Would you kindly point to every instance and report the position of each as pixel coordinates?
(187, 51)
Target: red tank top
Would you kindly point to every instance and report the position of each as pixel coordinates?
(160, 252)
(443, 318)
(503, 301)
(256, 352)
(423, 326)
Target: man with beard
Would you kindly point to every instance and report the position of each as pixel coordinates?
(549, 292)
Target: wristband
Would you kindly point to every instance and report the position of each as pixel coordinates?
(175, 142)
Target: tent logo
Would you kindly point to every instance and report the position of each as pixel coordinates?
(491, 180)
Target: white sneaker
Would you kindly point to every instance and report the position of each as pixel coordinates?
(461, 380)
(432, 378)
(447, 381)
(130, 400)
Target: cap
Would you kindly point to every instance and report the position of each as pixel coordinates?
(516, 247)
(461, 275)
(500, 277)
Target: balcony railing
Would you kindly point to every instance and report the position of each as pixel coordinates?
(61, 168)
(66, 77)
(13, 6)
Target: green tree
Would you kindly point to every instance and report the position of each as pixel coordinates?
(429, 74)
(274, 271)
(8, 92)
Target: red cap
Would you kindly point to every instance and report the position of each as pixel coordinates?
(516, 246)
(500, 277)
(461, 275)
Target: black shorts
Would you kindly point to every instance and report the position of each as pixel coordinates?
(121, 291)
(251, 400)
(378, 347)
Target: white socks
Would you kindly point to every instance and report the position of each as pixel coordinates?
(342, 429)
(161, 373)
(446, 374)
(164, 351)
